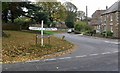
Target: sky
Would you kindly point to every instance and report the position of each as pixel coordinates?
(93, 5)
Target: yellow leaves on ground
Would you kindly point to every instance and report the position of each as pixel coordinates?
(20, 46)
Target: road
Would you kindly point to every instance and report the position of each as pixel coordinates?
(91, 54)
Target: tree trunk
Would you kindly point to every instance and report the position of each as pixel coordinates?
(12, 16)
(6, 19)
(20, 27)
(4, 16)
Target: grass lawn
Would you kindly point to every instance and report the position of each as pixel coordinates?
(47, 32)
(20, 46)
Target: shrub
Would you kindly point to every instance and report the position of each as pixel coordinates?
(107, 34)
(78, 27)
(103, 33)
(24, 22)
(83, 27)
(69, 24)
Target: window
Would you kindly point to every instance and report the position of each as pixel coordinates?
(104, 28)
(111, 23)
(98, 27)
(117, 24)
(111, 17)
(117, 17)
(104, 23)
(105, 18)
(101, 18)
(111, 28)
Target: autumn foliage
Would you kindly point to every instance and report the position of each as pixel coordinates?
(20, 46)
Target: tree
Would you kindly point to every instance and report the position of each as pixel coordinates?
(82, 27)
(71, 10)
(5, 8)
(12, 10)
(15, 12)
(46, 0)
(47, 11)
(81, 15)
(55, 10)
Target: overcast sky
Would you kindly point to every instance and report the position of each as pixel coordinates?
(92, 4)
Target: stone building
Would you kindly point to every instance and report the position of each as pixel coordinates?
(110, 19)
(96, 20)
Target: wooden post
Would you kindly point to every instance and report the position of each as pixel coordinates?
(42, 33)
(49, 40)
(36, 39)
(63, 37)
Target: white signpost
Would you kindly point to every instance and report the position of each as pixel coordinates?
(42, 33)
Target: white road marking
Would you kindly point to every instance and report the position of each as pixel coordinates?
(117, 42)
(50, 59)
(115, 52)
(112, 42)
(33, 61)
(106, 53)
(61, 58)
(107, 41)
(67, 57)
(93, 54)
(81, 56)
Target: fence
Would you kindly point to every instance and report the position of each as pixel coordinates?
(46, 41)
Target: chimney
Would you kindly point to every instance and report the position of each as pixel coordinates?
(106, 7)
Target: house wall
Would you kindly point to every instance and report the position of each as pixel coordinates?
(111, 23)
(118, 24)
(96, 19)
(95, 27)
(103, 25)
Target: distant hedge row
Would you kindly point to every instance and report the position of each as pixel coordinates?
(10, 27)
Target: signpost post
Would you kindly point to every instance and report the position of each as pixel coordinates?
(42, 33)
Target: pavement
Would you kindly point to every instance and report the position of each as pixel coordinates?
(91, 54)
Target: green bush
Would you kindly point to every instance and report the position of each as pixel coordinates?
(24, 22)
(78, 27)
(107, 34)
(83, 27)
(103, 33)
(69, 24)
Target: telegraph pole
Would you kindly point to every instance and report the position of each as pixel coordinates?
(87, 15)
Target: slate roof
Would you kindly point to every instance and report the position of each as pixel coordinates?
(115, 7)
(96, 17)
(97, 13)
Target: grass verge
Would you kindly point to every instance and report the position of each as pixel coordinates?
(20, 46)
